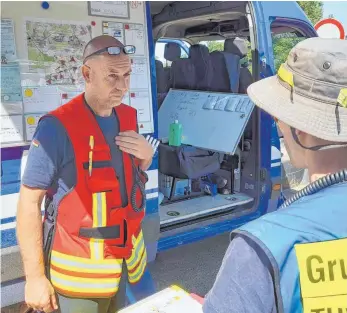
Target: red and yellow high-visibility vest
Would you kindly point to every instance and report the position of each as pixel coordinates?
(93, 233)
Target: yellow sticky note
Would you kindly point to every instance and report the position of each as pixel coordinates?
(28, 92)
(31, 120)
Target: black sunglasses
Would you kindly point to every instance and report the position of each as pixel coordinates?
(129, 49)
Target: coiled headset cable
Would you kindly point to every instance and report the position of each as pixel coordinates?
(318, 185)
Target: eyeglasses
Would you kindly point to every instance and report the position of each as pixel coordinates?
(129, 49)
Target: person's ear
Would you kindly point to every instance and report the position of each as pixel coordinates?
(86, 72)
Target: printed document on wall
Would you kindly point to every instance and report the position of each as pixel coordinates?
(113, 29)
(135, 35)
(139, 76)
(8, 44)
(141, 102)
(41, 99)
(11, 128)
(58, 55)
(31, 122)
(11, 90)
(118, 9)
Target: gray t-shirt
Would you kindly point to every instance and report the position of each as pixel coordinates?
(244, 283)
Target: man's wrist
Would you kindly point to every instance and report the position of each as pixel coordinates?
(145, 164)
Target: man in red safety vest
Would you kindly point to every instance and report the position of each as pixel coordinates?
(88, 160)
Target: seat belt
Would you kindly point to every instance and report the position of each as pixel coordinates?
(232, 62)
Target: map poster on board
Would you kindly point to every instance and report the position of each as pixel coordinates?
(113, 29)
(115, 9)
(59, 55)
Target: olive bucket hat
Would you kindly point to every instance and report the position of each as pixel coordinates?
(309, 92)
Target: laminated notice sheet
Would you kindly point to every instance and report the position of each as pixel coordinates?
(135, 35)
(113, 29)
(11, 90)
(8, 44)
(141, 102)
(41, 99)
(11, 128)
(31, 121)
(139, 76)
(170, 300)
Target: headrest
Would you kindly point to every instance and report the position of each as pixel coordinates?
(172, 51)
(158, 64)
(198, 51)
(236, 46)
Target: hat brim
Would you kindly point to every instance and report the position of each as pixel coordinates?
(319, 119)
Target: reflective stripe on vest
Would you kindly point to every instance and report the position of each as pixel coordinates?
(136, 264)
(99, 220)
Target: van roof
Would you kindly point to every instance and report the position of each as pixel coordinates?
(199, 20)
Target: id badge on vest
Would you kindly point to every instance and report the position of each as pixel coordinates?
(323, 276)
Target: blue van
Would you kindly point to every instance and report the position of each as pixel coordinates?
(182, 32)
(201, 35)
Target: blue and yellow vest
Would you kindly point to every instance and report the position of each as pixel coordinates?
(306, 244)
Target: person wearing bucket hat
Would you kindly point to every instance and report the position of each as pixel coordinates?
(295, 259)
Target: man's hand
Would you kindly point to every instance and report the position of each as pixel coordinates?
(135, 144)
(40, 295)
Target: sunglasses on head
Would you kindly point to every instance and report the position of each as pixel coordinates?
(128, 49)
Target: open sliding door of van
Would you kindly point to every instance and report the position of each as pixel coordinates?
(201, 102)
(280, 25)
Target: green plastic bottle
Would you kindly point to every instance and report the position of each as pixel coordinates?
(175, 135)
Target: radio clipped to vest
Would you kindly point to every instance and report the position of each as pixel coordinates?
(90, 233)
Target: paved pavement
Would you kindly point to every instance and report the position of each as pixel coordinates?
(193, 267)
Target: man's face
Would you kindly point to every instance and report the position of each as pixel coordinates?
(109, 78)
(295, 152)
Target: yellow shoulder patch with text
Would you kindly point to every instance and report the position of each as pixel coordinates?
(323, 276)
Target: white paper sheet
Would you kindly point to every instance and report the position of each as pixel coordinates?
(118, 9)
(11, 128)
(141, 102)
(8, 44)
(68, 96)
(113, 29)
(31, 121)
(170, 300)
(139, 75)
(41, 99)
(126, 98)
(135, 35)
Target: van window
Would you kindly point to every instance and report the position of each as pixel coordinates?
(282, 44)
(293, 179)
(216, 45)
(159, 54)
